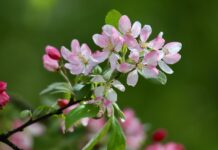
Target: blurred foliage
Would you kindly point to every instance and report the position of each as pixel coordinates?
(186, 105)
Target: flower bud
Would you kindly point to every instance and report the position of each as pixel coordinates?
(159, 135)
(4, 98)
(3, 86)
(53, 52)
(62, 103)
(50, 64)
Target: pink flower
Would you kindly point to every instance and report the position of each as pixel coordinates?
(24, 140)
(53, 52)
(111, 41)
(4, 98)
(50, 64)
(94, 125)
(131, 32)
(157, 43)
(80, 59)
(3, 86)
(168, 146)
(170, 55)
(159, 135)
(133, 129)
(147, 67)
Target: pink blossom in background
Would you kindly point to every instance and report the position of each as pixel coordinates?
(134, 130)
(25, 139)
(167, 146)
(159, 135)
(4, 98)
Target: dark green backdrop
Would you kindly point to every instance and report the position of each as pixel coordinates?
(187, 106)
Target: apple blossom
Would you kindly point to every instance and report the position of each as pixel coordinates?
(159, 135)
(53, 52)
(4, 98)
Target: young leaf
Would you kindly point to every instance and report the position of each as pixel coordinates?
(113, 17)
(90, 145)
(58, 87)
(82, 91)
(117, 139)
(26, 113)
(119, 112)
(41, 110)
(82, 111)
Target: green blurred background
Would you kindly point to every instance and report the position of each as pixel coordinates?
(187, 106)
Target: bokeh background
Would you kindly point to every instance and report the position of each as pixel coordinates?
(187, 106)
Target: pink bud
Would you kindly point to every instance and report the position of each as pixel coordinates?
(50, 64)
(159, 135)
(4, 98)
(3, 86)
(62, 103)
(53, 52)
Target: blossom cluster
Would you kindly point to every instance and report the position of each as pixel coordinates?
(4, 98)
(127, 49)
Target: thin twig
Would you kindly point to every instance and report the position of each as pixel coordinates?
(4, 137)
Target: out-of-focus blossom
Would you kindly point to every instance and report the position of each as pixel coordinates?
(4, 98)
(53, 52)
(159, 135)
(80, 59)
(111, 41)
(25, 139)
(133, 130)
(170, 56)
(167, 146)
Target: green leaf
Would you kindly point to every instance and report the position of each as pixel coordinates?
(26, 114)
(117, 139)
(161, 78)
(119, 112)
(113, 17)
(57, 87)
(90, 145)
(82, 111)
(41, 110)
(82, 91)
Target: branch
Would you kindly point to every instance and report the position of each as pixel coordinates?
(4, 137)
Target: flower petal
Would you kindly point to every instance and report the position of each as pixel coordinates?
(111, 95)
(125, 67)
(157, 43)
(134, 56)
(86, 51)
(75, 46)
(172, 58)
(136, 29)
(145, 33)
(151, 58)
(131, 42)
(173, 47)
(98, 79)
(117, 84)
(99, 91)
(117, 42)
(165, 67)
(124, 24)
(113, 60)
(75, 69)
(101, 40)
(65, 53)
(132, 78)
(50, 64)
(100, 57)
(110, 30)
(150, 72)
